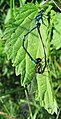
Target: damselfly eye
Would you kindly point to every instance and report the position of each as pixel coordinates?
(41, 12)
(38, 60)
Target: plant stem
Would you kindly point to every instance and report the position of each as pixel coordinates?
(11, 7)
(28, 104)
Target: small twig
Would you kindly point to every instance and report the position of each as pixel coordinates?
(58, 4)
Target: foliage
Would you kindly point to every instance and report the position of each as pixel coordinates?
(40, 86)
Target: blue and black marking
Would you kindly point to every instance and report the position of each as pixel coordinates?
(38, 60)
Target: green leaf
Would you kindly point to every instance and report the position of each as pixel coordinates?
(13, 35)
(57, 32)
(45, 93)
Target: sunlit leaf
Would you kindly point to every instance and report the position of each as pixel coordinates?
(57, 32)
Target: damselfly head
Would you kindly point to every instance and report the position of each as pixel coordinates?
(38, 60)
(41, 12)
(40, 67)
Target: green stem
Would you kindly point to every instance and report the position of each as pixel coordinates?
(28, 104)
(11, 7)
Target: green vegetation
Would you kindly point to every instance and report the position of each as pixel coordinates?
(24, 94)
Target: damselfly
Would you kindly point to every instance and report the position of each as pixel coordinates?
(39, 66)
